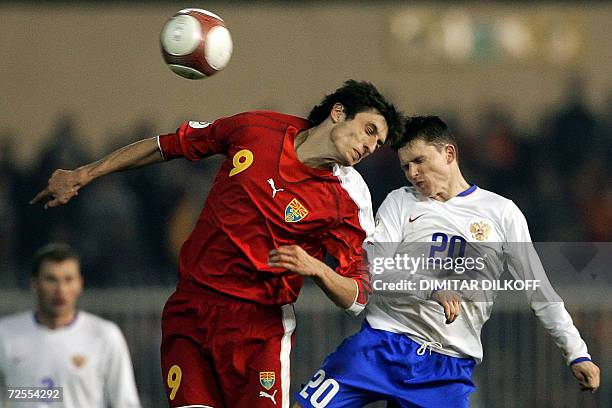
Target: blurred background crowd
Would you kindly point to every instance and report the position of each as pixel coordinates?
(559, 176)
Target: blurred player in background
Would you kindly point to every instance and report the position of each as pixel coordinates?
(60, 346)
(407, 351)
(284, 197)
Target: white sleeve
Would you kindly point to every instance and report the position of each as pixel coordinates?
(524, 264)
(388, 222)
(119, 385)
(387, 232)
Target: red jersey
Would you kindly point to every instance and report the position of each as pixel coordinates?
(264, 197)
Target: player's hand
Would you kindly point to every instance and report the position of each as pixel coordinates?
(587, 374)
(63, 185)
(450, 301)
(295, 259)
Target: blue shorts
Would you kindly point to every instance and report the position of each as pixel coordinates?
(374, 365)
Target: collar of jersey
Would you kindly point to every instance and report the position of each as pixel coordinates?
(66, 326)
(467, 192)
(464, 193)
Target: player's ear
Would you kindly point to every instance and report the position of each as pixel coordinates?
(337, 113)
(451, 153)
(80, 281)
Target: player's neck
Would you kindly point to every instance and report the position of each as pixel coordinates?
(54, 322)
(312, 148)
(456, 185)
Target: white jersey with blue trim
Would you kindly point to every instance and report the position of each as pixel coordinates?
(490, 226)
(88, 358)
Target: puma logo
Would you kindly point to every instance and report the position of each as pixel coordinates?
(266, 395)
(274, 190)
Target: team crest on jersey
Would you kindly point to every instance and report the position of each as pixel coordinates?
(267, 379)
(295, 211)
(480, 230)
(79, 360)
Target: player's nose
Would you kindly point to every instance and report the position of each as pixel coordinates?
(369, 146)
(412, 172)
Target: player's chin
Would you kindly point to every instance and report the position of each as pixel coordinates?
(60, 309)
(350, 158)
(347, 161)
(356, 161)
(423, 189)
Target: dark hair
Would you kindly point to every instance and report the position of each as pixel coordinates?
(356, 97)
(430, 129)
(55, 252)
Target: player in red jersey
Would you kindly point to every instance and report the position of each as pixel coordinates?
(284, 197)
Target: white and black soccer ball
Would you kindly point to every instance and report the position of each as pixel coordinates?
(196, 44)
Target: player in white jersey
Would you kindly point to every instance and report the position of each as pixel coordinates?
(58, 346)
(441, 233)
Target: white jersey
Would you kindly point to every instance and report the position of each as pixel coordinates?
(490, 226)
(89, 358)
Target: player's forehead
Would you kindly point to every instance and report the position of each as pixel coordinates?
(414, 149)
(374, 117)
(58, 269)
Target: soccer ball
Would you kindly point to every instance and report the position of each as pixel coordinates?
(196, 44)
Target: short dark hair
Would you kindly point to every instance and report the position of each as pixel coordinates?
(430, 129)
(357, 97)
(55, 252)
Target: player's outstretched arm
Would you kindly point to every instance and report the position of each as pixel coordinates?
(587, 374)
(65, 184)
(340, 289)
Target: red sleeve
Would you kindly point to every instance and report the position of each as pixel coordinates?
(196, 140)
(344, 243)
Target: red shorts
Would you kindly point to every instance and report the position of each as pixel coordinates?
(219, 351)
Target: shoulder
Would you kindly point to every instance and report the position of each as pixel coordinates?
(99, 327)
(500, 202)
(498, 208)
(403, 196)
(267, 119)
(12, 324)
(492, 203)
(348, 173)
(405, 193)
(358, 193)
(493, 198)
(354, 184)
